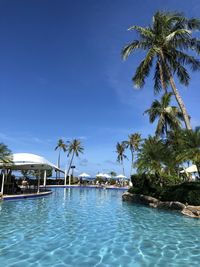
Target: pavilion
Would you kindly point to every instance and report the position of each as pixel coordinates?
(27, 161)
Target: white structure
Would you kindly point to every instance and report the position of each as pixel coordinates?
(84, 175)
(27, 161)
(191, 169)
(100, 175)
(107, 176)
(121, 176)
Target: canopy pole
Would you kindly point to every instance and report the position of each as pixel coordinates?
(2, 184)
(65, 182)
(45, 177)
(38, 189)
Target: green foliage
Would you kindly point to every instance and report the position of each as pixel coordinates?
(166, 41)
(113, 173)
(133, 143)
(5, 154)
(168, 116)
(172, 189)
(151, 156)
(74, 148)
(60, 146)
(188, 192)
(189, 142)
(35, 173)
(120, 149)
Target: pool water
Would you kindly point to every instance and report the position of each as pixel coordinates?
(93, 227)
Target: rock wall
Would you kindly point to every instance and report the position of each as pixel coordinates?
(191, 211)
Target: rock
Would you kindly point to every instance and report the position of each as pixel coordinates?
(148, 199)
(177, 205)
(191, 211)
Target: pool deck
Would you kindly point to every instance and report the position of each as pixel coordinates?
(22, 196)
(88, 186)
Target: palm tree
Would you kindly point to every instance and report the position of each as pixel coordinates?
(168, 116)
(190, 143)
(74, 148)
(5, 154)
(121, 156)
(151, 156)
(166, 42)
(133, 143)
(60, 146)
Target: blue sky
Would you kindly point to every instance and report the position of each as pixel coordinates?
(61, 76)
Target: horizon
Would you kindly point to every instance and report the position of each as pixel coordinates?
(62, 76)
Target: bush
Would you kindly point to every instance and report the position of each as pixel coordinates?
(145, 184)
(165, 189)
(188, 192)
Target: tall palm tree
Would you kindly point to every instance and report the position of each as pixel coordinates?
(5, 154)
(60, 146)
(166, 43)
(74, 148)
(120, 154)
(133, 143)
(168, 116)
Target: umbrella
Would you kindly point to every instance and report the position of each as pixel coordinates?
(84, 176)
(107, 176)
(100, 175)
(121, 176)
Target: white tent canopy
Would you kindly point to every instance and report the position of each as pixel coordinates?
(100, 175)
(84, 175)
(107, 176)
(121, 176)
(27, 161)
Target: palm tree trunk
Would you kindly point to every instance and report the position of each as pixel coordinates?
(131, 162)
(162, 78)
(177, 95)
(59, 163)
(180, 103)
(123, 168)
(70, 164)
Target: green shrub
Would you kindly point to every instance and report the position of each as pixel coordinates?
(188, 192)
(165, 188)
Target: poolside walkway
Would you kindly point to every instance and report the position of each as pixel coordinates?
(22, 196)
(88, 186)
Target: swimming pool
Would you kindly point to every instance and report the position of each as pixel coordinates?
(83, 227)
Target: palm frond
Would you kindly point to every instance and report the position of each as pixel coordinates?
(143, 69)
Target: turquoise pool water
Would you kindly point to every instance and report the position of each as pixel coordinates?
(93, 227)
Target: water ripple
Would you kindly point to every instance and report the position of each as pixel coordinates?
(94, 228)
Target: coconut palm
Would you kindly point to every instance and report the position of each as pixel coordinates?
(190, 143)
(133, 143)
(74, 148)
(61, 146)
(151, 156)
(169, 117)
(5, 154)
(120, 148)
(166, 43)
